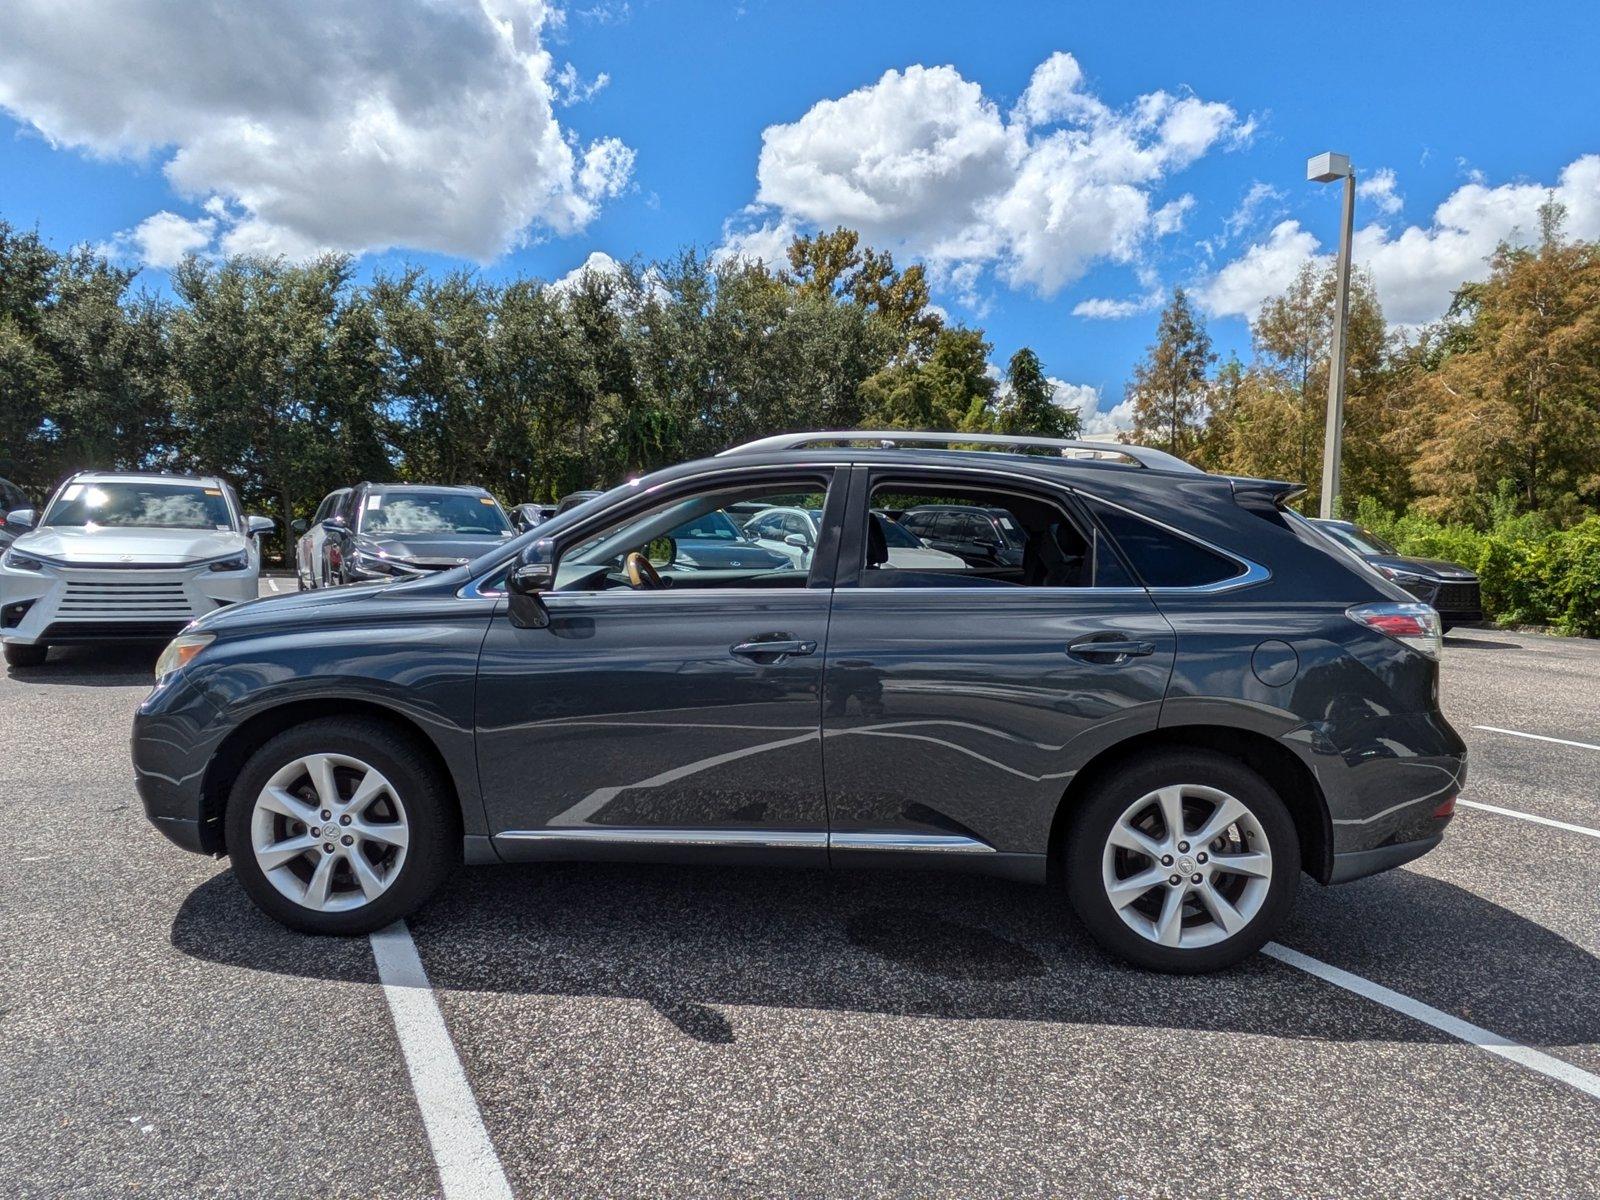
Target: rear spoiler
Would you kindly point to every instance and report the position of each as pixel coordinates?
(1264, 497)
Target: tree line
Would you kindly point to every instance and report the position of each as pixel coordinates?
(1492, 412)
(293, 379)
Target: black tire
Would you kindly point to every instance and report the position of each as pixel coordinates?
(1104, 805)
(434, 848)
(18, 655)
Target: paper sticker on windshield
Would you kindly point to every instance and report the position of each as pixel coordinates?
(1005, 523)
(213, 491)
(373, 502)
(489, 500)
(72, 493)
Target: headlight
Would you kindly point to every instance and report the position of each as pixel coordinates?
(1398, 576)
(367, 560)
(180, 650)
(235, 562)
(21, 562)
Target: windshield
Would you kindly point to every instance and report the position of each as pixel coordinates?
(141, 505)
(1362, 541)
(432, 512)
(715, 526)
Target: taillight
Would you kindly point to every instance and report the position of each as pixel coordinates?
(1447, 809)
(1413, 625)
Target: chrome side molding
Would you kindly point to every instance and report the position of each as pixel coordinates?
(752, 839)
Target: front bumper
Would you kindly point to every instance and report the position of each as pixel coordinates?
(107, 603)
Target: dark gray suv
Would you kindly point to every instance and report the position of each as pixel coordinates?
(1178, 698)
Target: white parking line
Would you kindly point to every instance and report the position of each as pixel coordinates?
(273, 584)
(469, 1168)
(1537, 820)
(1534, 1060)
(1536, 737)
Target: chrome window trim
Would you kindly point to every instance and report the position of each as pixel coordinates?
(473, 589)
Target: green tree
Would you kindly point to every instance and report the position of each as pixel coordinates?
(1028, 406)
(1169, 384)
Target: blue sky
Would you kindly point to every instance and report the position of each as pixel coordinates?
(1040, 157)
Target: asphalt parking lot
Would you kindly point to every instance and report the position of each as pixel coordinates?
(615, 1030)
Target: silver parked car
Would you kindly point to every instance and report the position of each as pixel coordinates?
(124, 557)
(794, 533)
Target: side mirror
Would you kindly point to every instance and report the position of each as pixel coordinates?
(798, 540)
(298, 526)
(533, 575)
(22, 518)
(336, 521)
(662, 552)
(256, 526)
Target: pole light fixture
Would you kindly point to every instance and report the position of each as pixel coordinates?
(1325, 168)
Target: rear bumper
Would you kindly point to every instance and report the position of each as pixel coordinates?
(1358, 864)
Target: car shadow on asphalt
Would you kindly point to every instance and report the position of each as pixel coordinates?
(690, 940)
(1461, 643)
(94, 665)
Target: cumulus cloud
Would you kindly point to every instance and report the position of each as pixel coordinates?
(351, 124)
(922, 161)
(1417, 269)
(1100, 309)
(571, 89)
(598, 263)
(1381, 190)
(162, 239)
(1085, 399)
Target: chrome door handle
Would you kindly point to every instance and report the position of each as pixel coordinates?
(1111, 651)
(772, 651)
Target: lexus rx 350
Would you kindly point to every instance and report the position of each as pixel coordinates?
(1177, 698)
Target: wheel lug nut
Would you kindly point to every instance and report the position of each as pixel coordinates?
(1201, 857)
(1166, 860)
(327, 847)
(326, 815)
(1175, 880)
(345, 820)
(1183, 847)
(1195, 878)
(348, 840)
(316, 831)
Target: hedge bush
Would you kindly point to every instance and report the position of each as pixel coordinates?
(1530, 572)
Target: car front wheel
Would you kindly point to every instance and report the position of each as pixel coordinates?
(341, 827)
(18, 655)
(1184, 862)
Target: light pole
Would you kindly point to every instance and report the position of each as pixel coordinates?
(1325, 168)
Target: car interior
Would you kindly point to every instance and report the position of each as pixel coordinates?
(984, 529)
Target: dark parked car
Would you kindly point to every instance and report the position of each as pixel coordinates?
(715, 541)
(386, 531)
(1183, 697)
(573, 499)
(980, 537)
(1451, 588)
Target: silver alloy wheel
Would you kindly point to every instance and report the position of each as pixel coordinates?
(329, 832)
(1187, 866)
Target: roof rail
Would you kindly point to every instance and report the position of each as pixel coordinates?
(888, 438)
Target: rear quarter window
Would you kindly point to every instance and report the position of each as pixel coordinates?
(1161, 557)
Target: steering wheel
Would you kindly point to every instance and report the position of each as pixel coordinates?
(641, 574)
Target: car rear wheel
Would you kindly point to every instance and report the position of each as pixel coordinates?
(1185, 862)
(19, 655)
(341, 827)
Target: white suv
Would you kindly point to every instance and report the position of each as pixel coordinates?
(124, 557)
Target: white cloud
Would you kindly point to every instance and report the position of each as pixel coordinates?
(571, 89)
(598, 263)
(1381, 190)
(1085, 398)
(1100, 309)
(162, 239)
(352, 124)
(1261, 272)
(1259, 197)
(922, 162)
(1418, 269)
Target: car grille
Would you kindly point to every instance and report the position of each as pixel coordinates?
(124, 599)
(1457, 597)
